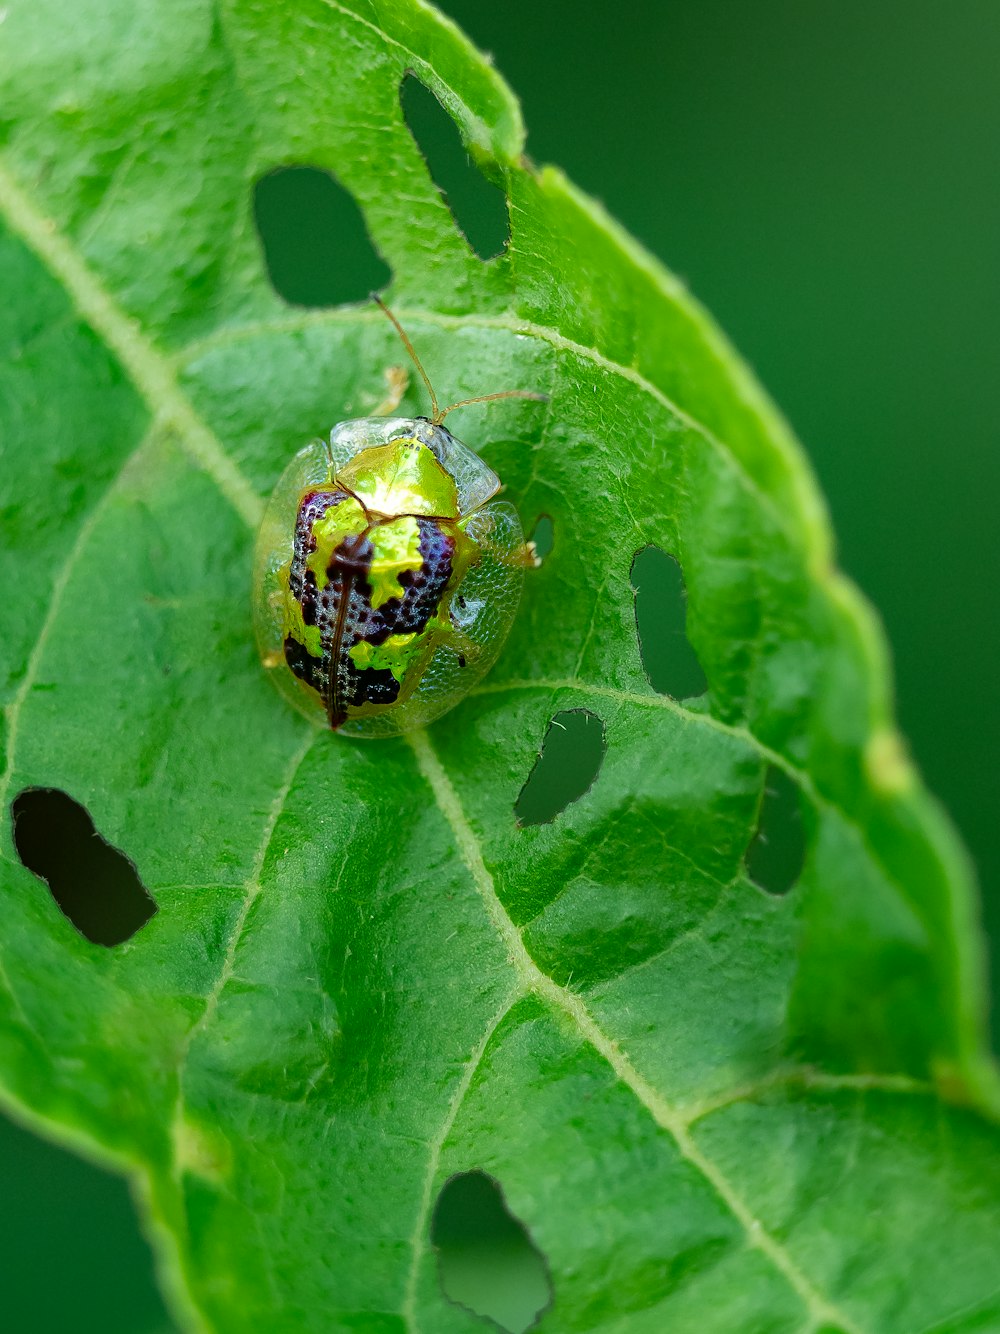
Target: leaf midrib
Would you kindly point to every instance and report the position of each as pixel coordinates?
(154, 378)
(534, 981)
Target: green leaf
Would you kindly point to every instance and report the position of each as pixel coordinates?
(712, 1108)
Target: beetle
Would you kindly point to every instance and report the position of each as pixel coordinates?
(386, 575)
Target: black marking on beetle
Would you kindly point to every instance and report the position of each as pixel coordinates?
(373, 685)
(343, 612)
(303, 664)
(308, 599)
(312, 508)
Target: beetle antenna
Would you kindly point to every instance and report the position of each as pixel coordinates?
(437, 414)
(488, 398)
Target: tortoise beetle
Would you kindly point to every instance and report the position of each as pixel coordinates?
(386, 577)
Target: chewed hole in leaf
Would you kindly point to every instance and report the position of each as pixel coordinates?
(566, 768)
(478, 206)
(543, 536)
(487, 1261)
(778, 848)
(668, 658)
(316, 246)
(94, 884)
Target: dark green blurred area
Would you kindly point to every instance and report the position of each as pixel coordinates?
(826, 179)
(73, 1260)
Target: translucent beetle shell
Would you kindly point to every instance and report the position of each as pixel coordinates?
(386, 576)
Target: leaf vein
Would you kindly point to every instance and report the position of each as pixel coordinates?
(509, 324)
(692, 935)
(663, 1112)
(653, 701)
(809, 1080)
(59, 586)
(253, 891)
(417, 1241)
(151, 372)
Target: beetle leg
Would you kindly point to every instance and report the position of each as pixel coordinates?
(523, 557)
(397, 380)
(491, 529)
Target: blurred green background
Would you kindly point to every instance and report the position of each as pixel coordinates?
(825, 177)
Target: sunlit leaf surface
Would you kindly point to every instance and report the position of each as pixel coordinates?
(714, 1103)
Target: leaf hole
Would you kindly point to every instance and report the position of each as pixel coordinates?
(777, 850)
(478, 206)
(94, 884)
(486, 1260)
(567, 766)
(543, 536)
(668, 657)
(316, 245)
